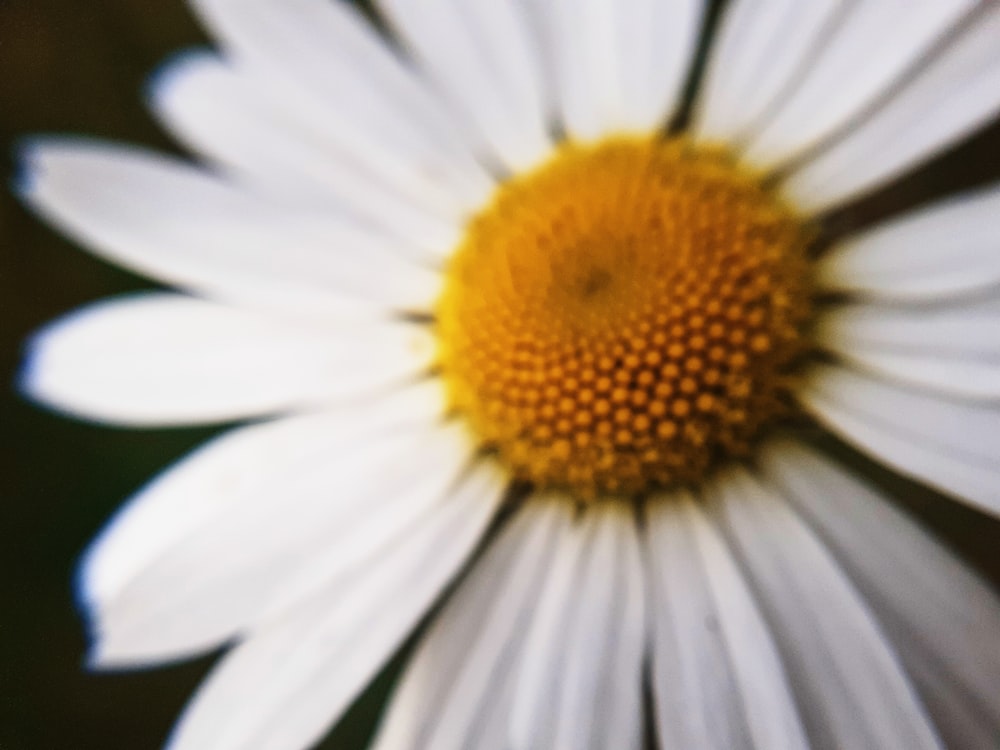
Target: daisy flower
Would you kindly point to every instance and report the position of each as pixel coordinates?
(533, 323)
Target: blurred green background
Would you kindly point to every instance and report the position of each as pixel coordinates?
(80, 67)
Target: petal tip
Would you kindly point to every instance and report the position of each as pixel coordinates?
(37, 159)
(30, 380)
(38, 378)
(103, 656)
(31, 164)
(161, 87)
(93, 660)
(25, 175)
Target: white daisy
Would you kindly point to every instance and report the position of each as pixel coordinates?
(502, 329)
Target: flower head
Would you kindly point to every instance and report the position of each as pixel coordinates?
(530, 336)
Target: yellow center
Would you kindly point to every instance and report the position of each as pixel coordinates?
(625, 316)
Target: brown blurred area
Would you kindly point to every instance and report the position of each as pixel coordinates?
(80, 67)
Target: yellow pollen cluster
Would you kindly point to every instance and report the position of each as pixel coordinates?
(624, 316)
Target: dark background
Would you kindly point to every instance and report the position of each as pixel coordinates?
(80, 67)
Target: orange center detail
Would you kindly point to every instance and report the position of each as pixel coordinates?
(625, 316)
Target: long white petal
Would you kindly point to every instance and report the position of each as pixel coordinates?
(461, 676)
(952, 349)
(944, 619)
(719, 686)
(761, 48)
(951, 330)
(599, 703)
(655, 44)
(329, 67)
(850, 686)
(214, 481)
(532, 720)
(584, 638)
(290, 537)
(958, 92)
(182, 226)
(229, 118)
(292, 678)
(697, 702)
(619, 65)
(953, 427)
(950, 445)
(943, 251)
(580, 37)
(958, 378)
(482, 56)
(870, 48)
(164, 359)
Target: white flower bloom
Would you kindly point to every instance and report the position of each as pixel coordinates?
(501, 329)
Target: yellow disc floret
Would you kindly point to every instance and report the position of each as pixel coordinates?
(624, 316)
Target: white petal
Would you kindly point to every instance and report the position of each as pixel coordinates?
(387, 506)
(619, 65)
(951, 349)
(849, 684)
(717, 680)
(945, 620)
(948, 444)
(182, 226)
(962, 720)
(761, 47)
(957, 378)
(951, 330)
(697, 701)
(580, 675)
(952, 427)
(332, 70)
(481, 55)
(948, 249)
(654, 43)
(291, 679)
(233, 120)
(600, 699)
(562, 32)
(957, 92)
(462, 673)
(320, 522)
(213, 481)
(860, 58)
(164, 359)
(541, 666)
